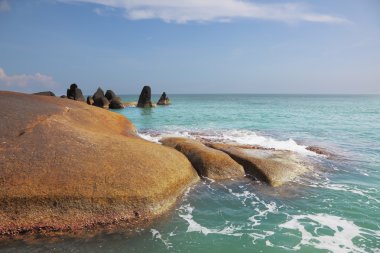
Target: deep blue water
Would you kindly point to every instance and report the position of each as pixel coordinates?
(335, 208)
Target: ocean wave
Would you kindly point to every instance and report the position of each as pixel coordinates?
(323, 231)
(244, 137)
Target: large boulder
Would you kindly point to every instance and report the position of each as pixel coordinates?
(208, 162)
(100, 100)
(67, 166)
(164, 100)
(75, 93)
(45, 93)
(115, 101)
(145, 98)
(271, 166)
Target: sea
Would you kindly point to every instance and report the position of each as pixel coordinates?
(334, 207)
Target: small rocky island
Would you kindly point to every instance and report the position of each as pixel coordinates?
(67, 166)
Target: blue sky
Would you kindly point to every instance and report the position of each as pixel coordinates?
(191, 46)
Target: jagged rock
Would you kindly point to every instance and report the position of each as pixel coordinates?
(271, 166)
(45, 93)
(164, 100)
(75, 93)
(90, 101)
(65, 165)
(145, 98)
(115, 101)
(100, 100)
(208, 162)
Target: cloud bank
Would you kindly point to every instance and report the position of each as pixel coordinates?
(23, 81)
(184, 11)
(4, 5)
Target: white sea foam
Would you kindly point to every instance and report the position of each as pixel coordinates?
(186, 213)
(157, 235)
(231, 136)
(344, 232)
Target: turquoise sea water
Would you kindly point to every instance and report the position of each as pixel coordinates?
(335, 208)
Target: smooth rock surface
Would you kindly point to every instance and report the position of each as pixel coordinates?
(66, 166)
(208, 162)
(271, 166)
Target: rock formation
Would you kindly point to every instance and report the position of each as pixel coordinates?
(45, 93)
(115, 101)
(164, 100)
(270, 166)
(75, 93)
(145, 98)
(66, 166)
(208, 162)
(90, 100)
(100, 100)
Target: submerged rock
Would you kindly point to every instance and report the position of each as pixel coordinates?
(272, 167)
(100, 100)
(75, 93)
(164, 100)
(45, 93)
(208, 162)
(67, 166)
(115, 101)
(145, 98)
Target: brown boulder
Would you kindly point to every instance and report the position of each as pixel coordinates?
(66, 166)
(208, 162)
(270, 166)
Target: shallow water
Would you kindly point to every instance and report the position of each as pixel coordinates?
(336, 208)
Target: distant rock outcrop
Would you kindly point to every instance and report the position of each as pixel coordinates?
(45, 93)
(145, 98)
(100, 100)
(115, 101)
(164, 100)
(207, 161)
(90, 100)
(75, 93)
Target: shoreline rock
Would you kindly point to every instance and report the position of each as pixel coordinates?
(208, 162)
(65, 166)
(75, 93)
(164, 100)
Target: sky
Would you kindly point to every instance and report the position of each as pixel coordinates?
(191, 46)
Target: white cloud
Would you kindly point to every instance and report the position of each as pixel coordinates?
(24, 81)
(183, 11)
(4, 5)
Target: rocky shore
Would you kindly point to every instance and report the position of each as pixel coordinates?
(66, 166)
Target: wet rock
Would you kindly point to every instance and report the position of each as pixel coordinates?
(75, 93)
(164, 100)
(100, 100)
(319, 151)
(208, 162)
(272, 167)
(45, 93)
(145, 98)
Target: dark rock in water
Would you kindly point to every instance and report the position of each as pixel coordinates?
(90, 101)
(45, 93)
(318, 150)
(164, 100)
(75, 93)
(207, 161)
(145, 98)
(115, 101)
(100, 100)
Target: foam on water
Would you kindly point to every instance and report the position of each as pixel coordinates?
(157, 235)
(230, 136)
(310, 227)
